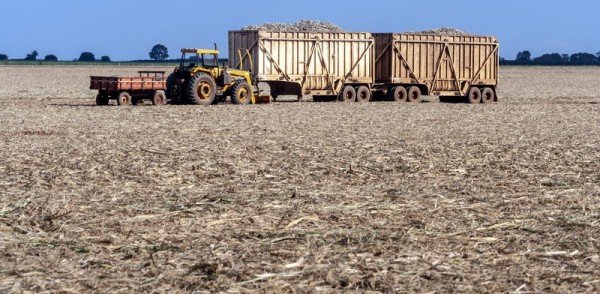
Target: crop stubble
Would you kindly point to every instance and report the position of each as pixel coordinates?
(383, 196)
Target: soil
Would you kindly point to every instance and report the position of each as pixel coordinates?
(391, 197)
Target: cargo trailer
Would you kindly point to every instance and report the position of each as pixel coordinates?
(452, 67)
(354, 66)
(131, 90)
(306, 63)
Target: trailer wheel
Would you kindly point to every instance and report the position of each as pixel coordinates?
(348, 94)
(241, 93)
(201, 89)
(124, 99)
(414, 94)
(488, 96)
(160, 98)
(102, 100)
(474, 96)
(363, 94)
(398, 94)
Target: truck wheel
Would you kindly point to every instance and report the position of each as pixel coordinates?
(241, 93)
(160, 98)
(201, 89)
(474, 96)
(398, 94)
(363, 94)
(102, 100)
(124, 99)
(348, 94)
(414, 94)
(488, 96)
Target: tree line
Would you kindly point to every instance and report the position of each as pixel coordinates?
(158, 53)
(161, 53)
(525, 58)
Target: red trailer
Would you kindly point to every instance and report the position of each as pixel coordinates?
(131, 90)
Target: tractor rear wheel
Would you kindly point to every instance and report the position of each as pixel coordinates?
(201, 89)
(363, 94)
(398, 94)
(414, 94)
(474, 96)
(102, 100)
(241, 93)
(348, 94)
(124, 99)
(488, 96)
(160, 98)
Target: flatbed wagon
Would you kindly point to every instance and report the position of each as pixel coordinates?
(149, 85)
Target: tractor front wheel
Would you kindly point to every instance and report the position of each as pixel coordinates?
(241, 93)
(201, 89)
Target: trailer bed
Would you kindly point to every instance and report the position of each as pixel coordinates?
(147, 81)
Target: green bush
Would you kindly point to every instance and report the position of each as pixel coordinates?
(87, 57)
(51, 57)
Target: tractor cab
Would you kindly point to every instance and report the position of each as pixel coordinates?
(192, 58)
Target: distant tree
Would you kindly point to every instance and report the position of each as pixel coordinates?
(583, 59)
(32, 56)
(87, 57)
(105, 59)
(3, 57)
(159, 52)
(524, 56)
(566, 58)
(549, 59)
(50, 58)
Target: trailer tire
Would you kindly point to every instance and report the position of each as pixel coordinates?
(474, 96)
(124, 99)
(363, 94)
(102, 100)
(241, 93)
(398, 94)
(488, 96)
(348, 94)
(160, 98)
(414, 94)
(201, 90)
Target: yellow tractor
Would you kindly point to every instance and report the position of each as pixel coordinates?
(200, 80)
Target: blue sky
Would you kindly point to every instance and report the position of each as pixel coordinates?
(127, 29)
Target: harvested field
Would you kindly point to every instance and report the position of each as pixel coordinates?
(282, 197)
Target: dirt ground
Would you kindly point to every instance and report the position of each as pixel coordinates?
(300, 196)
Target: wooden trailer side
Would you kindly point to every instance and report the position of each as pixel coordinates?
(442, 65)
(305, 63)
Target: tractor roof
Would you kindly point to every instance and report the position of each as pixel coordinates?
(200, 51)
